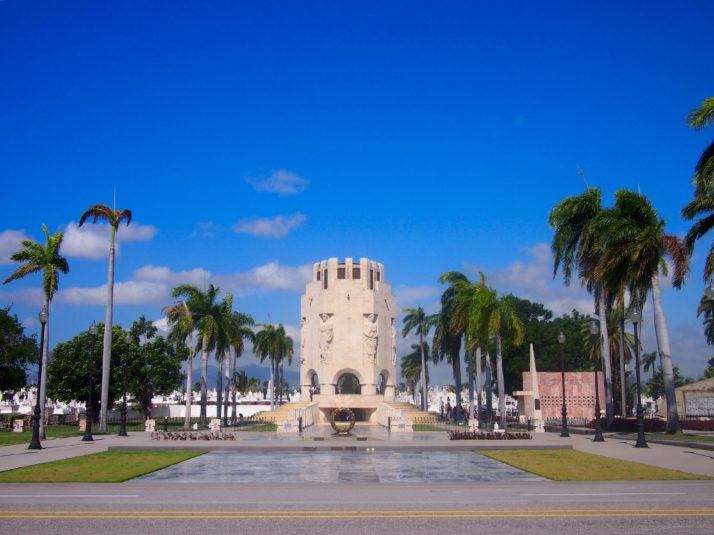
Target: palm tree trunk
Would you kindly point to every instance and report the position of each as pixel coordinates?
(623, 383)
(456, 367)
(271, 384)
(489, 391)
(219, 386)
(189, 385)
(227, 386)
(107, 345)
(501, 382)
(470, 376)
(607, 367)
(424, 388)
(42, 393)
(233, 390)
(478, 383)
(666, 358)
(203, 419)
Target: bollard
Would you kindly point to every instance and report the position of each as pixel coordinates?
(299, 424)
(389, 424)
(166, 423)
(529, 424)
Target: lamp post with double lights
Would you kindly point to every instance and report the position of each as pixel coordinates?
(89, 412)
(564, 411)
(636, 317)
(595, 331)
(37, 416)
(122, 426)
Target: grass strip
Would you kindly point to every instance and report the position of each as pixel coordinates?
(427, 427)
(571, 465)
(104, 467)
(9, 438)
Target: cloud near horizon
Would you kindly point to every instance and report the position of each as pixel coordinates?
(10, 243)
(276, 227)
(281, 182)
(153, 284)
(92, 241)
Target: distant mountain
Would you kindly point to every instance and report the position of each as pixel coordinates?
(262, 373)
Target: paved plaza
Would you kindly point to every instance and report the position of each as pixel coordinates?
(351, 466)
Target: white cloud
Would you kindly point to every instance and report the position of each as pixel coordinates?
(92, 241)
(10, 243)
(281, 182)
(153, 284)
(276, 227)
(411, 294)
(125, 293)
(163, 275)
(33, 297)
(205, 229)
(270, 276)
(162, 325)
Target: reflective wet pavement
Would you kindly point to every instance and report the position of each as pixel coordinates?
(354, 466)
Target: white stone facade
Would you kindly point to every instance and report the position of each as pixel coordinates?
(348, 318)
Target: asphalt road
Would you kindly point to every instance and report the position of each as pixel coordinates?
(515, 507)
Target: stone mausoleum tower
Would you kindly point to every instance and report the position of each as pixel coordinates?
(348, 341)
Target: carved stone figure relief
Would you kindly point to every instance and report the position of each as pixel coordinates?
(326, 336)
(394, 342)
(370, 337)
(303, 320)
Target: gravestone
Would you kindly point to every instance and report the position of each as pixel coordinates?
(149, 426)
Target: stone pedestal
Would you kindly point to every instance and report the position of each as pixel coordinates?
(150, 426)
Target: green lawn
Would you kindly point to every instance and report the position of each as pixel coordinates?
(263, 427)
(8, 438)
(105, 467)
(681, 436)
(427, 427)
(571, 465)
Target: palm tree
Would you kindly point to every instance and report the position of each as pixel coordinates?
(46, 258)
(499, 319)
(411, 365)
(207, 316)
(703, 201)
(705, 307)
(577, 245)
(114, 218)
(418, 321)
(274, 344)
(649, 362)
(238, 331)
(181, 321)
(637, 248)
(242, 383)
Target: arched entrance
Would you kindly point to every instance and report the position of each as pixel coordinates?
(348, 384)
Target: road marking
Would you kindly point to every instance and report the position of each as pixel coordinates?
(610, 494)
(312, 515)
(70, 496)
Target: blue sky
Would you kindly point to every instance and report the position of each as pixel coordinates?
(253, 139)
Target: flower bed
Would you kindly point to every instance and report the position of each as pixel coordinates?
(184, 435)
(487, 435)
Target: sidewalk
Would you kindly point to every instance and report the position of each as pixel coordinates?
(321, 438)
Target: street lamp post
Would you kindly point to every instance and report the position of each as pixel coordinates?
(89, 413)
(122, 426)
(594, 330)
(636, 317)
(35, 441)
(564, 411)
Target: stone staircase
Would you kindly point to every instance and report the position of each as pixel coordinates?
(412, 413)
(280, 414)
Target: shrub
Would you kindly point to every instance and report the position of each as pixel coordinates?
(183, 435)
(487, 435)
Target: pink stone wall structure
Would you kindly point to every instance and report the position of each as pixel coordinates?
(579, 394)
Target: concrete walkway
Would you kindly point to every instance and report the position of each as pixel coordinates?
(320, 438)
